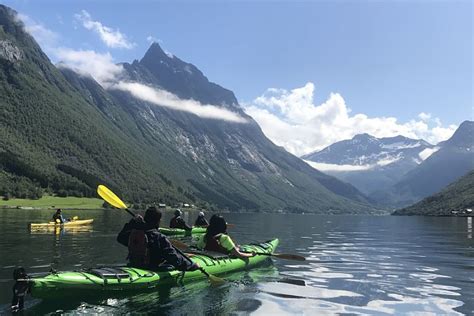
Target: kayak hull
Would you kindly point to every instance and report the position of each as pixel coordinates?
(182, 232)
(90, 283)
(78, 222)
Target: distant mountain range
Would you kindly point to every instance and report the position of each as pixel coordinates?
(398, 171)
(63, 133)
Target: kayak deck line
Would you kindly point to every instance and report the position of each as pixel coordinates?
(182, 232)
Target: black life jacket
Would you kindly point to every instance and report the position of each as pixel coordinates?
(138, 252)
(201, 222)
(212, 244)
(174, 222)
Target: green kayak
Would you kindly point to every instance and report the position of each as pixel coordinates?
(107, 280)
(182, 232)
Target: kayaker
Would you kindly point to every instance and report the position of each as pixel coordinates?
(201, 220)
(178, 222)
(58, 217)
(216, 239)
(148, 248)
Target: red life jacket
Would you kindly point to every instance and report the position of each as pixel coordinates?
(212, 244)
(138, 253)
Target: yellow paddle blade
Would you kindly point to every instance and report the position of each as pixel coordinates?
(75, 218)
(216, 281)
(110, 197)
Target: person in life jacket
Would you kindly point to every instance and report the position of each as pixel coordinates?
(216, 239)
(58, 217)
(148, 248)
(178, 222)
(201, 221)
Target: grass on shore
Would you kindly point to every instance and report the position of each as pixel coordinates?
(55, 202)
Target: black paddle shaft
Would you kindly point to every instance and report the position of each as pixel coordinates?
(130, 212)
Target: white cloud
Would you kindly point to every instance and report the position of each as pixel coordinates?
(88, 62)
(292, 120)
(334, 167)
(151, 39)
(112, 38)
(424, 116)
(345, 168)
(169, 100)
(102, 68)
(43, 36)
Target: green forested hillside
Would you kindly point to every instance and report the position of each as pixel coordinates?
(53, 139)
(457, 196)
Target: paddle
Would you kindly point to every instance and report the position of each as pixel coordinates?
(110, 197)
(179, 244)
(288, 256)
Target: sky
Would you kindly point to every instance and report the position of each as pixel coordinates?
(309, 72)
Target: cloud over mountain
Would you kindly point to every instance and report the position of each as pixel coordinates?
(102, 67)
(164, 98)
(112, 38)
(291, 119)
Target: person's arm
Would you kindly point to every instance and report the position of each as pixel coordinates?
(229, 244)
(183, 224)
(242, 255)
(124, 234)
(174, 258)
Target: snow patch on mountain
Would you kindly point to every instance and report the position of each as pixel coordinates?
(388, 160)
(425, 153)
(401, 145)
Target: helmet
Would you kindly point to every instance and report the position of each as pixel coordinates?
(201, 214)
(178, 212)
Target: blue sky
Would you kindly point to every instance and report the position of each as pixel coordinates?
(385, 58)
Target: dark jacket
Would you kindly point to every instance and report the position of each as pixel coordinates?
(161, 251)
(178, 222)
(58, 216)
(201, 222)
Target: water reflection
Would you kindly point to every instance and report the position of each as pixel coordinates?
(58, 230)
(374, 274)
(355, 265)
(469, 227)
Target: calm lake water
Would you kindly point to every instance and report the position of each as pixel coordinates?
(356, 265)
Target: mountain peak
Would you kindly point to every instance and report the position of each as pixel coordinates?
(181, 78)
(463, 136)
(363, 136)
(466, 126)
(156, 52)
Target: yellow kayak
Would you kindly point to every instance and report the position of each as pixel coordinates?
(72, 223)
